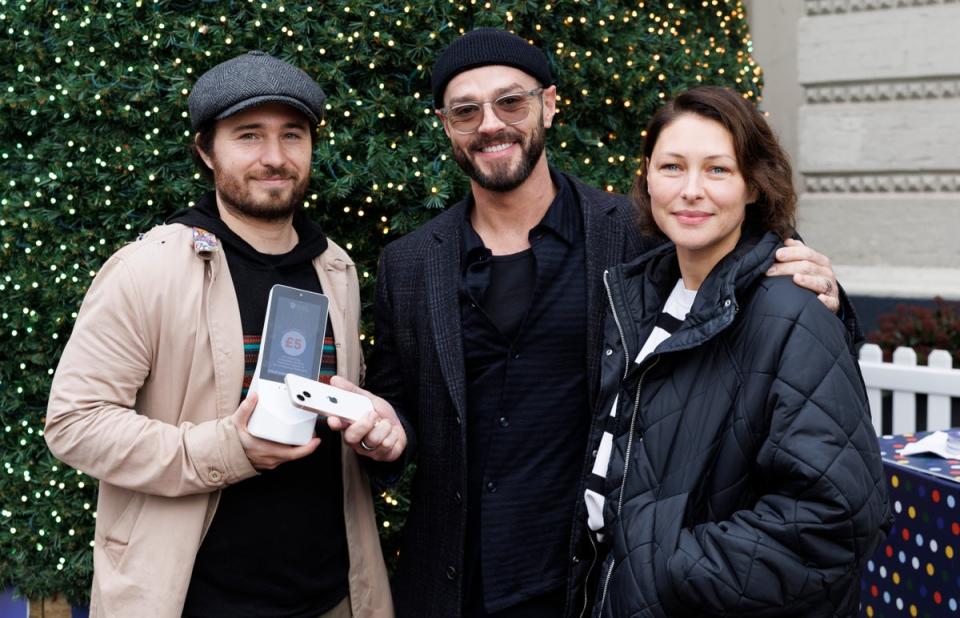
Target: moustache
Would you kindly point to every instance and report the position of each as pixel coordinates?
(274, 173)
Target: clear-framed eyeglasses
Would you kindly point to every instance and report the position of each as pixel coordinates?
(512, 108)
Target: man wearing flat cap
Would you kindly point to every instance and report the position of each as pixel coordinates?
(488, 324)
(196, 516)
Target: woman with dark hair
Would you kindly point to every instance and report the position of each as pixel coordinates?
(737, 470)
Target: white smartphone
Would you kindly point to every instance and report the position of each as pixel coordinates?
(292, 342)
(327, 400)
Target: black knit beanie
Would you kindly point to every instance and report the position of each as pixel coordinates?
(483, 47)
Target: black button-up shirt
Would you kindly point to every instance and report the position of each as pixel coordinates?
(524, 335)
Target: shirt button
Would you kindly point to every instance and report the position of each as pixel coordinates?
(516, 356)
(504, 422)
(457, 418)
(451, 573)
(575, 559)
(215, 475)
(491, 486)
(608, 352)
(594, 453)
(457, 497)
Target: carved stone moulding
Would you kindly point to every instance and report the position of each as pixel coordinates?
(832, 7)
(946, 182)
(870, 92)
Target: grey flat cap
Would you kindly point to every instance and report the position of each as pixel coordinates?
(253, 79)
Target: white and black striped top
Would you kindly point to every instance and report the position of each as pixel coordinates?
(671, 317)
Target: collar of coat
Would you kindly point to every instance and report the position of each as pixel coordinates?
(640, 288)
(448, 225)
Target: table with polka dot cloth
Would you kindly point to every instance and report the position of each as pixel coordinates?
(916, 570)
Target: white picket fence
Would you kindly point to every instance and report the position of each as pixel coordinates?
(938, 379)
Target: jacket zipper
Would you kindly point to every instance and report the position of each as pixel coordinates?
(586, 580)
(626, 467)
(606, 582)
(616, 319)
(633, 424)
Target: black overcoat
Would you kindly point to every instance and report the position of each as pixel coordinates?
(418, 366)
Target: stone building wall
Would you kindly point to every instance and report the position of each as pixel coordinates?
(865, 95)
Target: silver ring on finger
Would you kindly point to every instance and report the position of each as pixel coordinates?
(367, 447)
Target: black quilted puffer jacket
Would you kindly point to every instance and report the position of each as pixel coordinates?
(745, 478)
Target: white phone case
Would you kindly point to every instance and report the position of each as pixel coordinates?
(325, 399)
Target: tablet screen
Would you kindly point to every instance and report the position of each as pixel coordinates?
(293, 337)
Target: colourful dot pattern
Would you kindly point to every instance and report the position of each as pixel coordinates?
(916, 571)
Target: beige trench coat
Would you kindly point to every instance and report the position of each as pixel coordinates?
(141, 400)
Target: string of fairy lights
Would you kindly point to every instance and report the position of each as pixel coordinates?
(93, 135)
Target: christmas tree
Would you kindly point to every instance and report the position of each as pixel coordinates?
(93, 144)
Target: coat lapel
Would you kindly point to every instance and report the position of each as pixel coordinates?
(333, 273)
(224, 329)
(604, 248)
(443, 284)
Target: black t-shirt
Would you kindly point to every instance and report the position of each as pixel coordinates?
(277, 544)
(507, 297)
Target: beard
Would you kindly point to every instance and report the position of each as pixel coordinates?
(278, 203)
(502, 179)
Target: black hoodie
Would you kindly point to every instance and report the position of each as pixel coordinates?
(254, 273)
(277, 544)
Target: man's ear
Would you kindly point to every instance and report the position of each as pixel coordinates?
(549, 105)
(207, 159)
(443, 122)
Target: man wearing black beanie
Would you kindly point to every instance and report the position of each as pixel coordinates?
(488, 323)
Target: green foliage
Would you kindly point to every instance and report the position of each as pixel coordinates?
(93, 135)
(922, 328)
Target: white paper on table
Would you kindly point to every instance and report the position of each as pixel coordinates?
(939, 443)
